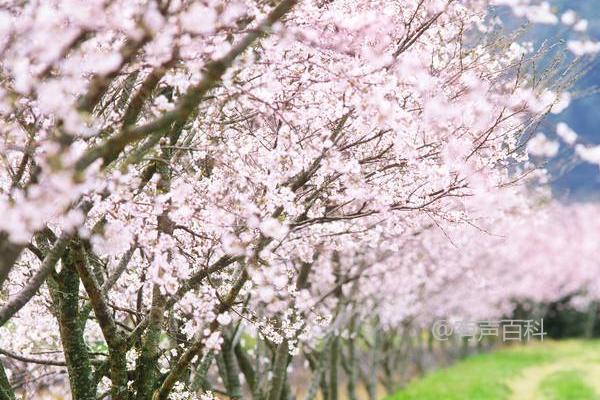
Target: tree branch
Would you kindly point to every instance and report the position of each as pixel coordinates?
(34, 284)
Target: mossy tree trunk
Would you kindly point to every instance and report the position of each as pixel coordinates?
(64, 290)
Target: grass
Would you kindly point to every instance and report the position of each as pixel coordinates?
(541, 371)
(567, 385)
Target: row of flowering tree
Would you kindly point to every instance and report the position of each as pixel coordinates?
(204, 197)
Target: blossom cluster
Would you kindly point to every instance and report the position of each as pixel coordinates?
(181, 177)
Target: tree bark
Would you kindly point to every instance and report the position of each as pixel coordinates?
(114, 340)
(231, 369)
(147, 369)
(65, 296)
(6, 391)
(246, 367)
(333, 368)
(9, 253)
(279, 370)
(36, 281)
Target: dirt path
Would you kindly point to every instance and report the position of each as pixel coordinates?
(527, 386)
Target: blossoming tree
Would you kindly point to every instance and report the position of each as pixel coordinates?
(196, 194)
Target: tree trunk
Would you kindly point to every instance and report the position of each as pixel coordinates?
(591, 320)
(65, 295)
(6, 391)
(279, 370)
(147, 366)
(333, 368)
